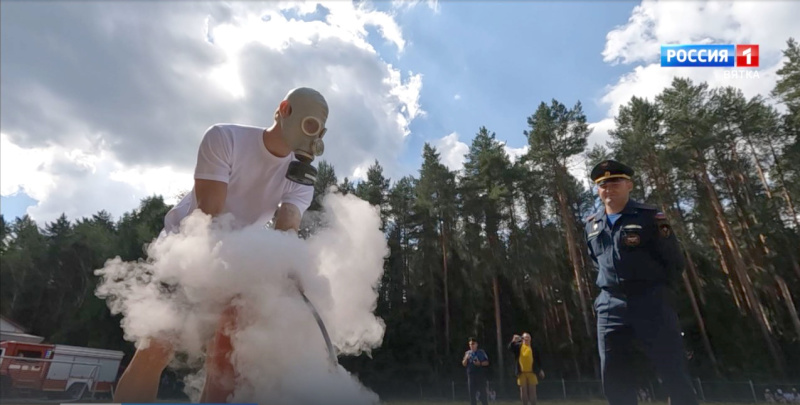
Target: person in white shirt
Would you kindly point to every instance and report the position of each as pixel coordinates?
(251, 173)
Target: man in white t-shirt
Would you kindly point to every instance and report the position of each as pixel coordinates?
(256, 175)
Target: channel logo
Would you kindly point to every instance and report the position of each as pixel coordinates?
(743, 56)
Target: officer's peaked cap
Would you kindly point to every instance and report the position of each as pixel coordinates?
(610, 169)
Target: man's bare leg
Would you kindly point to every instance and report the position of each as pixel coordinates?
(220, 374)
(139, 382)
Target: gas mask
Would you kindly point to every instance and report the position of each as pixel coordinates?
(303, 130)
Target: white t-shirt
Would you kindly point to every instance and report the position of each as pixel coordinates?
(257, 183)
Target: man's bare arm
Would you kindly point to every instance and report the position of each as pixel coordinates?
(210, 195)
(288, 217)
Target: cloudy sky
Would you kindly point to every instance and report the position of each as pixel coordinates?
(104, 103)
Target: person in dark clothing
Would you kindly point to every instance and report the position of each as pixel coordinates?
(528, 367)
(476, 361)
(639, 261)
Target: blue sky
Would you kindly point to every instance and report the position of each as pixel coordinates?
(504, 59)
(14, 206)
(481, 64)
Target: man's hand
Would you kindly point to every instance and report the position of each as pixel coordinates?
(288, 218)
(541, 374)
(466, 357)
(516, 338)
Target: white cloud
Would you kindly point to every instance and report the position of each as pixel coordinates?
(457, 97)
(648, 81)
(78, 184)
(515, 153)
(22, 169)
(161, 73)
(653, 23)
(408, 4)
(599, 134)
(452, 151)
(408, 96)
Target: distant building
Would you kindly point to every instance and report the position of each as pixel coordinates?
(9, 330)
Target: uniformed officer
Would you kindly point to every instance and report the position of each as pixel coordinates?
(638, 260)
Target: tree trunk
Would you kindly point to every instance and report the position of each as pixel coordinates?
(498, 327)
(572, 347)
(723, 262)
(784, 191)
(795, 262)
(740, 202)
(545, 315)
(662, 193)
(434, 326)
(693, 271)
(574, 256)
(787, 297)
(404, 249)
(446, 297)
(701, 324)
(759, 169)
(688, 285)
(738, 264)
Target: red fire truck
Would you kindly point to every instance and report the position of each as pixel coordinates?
(30, 369)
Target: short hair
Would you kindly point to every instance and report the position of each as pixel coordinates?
(472, 339)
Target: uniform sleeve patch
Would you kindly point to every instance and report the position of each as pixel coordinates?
(664, 227)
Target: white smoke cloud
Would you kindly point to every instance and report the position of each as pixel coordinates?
(278, 347)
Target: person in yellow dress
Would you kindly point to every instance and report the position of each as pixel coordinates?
(528, 367)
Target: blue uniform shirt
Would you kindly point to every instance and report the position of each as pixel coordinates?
(472, 369)
(637, 249)
(612, 218)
